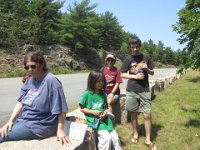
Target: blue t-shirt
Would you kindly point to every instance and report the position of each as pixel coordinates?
(42, 102)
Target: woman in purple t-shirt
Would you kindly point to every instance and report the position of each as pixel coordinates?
(41, 108)
(113, 80)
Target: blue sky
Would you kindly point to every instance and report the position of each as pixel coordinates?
(149, 19)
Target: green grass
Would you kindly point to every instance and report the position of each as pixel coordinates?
(175, 116)
(60, 70)
(13, 73)
(22, 72)
(73, 107)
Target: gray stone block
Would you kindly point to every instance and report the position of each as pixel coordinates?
(51, 143)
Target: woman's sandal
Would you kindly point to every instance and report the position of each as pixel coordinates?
(151, 146)
(134, 140)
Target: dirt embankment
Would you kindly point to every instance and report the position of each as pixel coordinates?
(57, 56)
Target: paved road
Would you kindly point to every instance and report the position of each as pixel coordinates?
(74, 85)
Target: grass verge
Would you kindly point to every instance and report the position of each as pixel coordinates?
(175, 116)
(22, 72)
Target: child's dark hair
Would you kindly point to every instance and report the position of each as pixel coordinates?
(135, 40)
(93, 78)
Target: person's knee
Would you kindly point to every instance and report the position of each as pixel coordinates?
(105, 142)
(115, 138)
(134, 114)
(110, 101)
(147, 116)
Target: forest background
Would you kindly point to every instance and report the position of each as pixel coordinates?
(79, 32)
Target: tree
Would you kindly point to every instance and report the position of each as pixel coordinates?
(195, 55)
(13, 22)
(125, 47)
(80, 25)
(111, 32)
(160, 50)
(170, 56)
(178, 58)
(29, 21)
(44, 21)
(189, 27)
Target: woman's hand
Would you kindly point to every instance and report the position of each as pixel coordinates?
(62, 137)
(6, 128)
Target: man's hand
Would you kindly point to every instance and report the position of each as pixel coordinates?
(144, 66)
(140, 76)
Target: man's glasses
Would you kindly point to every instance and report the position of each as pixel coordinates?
(111, 60)
(31, 66)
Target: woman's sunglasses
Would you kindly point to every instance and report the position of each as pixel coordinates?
(112, 60)
(31, 66)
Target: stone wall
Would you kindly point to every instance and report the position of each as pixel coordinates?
(51, 143)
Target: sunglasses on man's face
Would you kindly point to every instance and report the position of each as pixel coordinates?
(30, 66)
(111, 60)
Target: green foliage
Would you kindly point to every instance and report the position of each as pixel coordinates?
(111, 32)
(13, 73)
(150, 48)
(27, 21)
(195, 56)
(60, 70)
(124, 46)
(180, 69)
(159, 53)
(79, 26)
(46, 22)
(188, 27)
(40, 22)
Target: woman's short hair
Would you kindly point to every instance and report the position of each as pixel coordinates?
(37, 57)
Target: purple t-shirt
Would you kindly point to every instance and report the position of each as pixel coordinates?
(42, 102)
